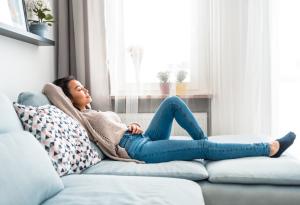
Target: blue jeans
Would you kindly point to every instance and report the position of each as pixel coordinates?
(154, 145)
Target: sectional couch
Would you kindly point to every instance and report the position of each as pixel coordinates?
(27, 176)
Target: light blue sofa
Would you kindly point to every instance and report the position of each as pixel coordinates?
(256, 180)
(27, 176)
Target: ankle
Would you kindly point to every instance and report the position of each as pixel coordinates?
(274, 147)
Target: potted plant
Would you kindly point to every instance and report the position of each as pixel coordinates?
(180, 85)
(41, 16)
(163, 77)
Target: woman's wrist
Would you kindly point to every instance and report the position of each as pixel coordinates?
(135, 128)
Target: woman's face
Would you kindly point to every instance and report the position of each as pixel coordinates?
(80, 95)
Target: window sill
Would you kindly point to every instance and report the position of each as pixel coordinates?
(187, 96)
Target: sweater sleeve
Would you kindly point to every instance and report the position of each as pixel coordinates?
(55, 94)
(60, 100)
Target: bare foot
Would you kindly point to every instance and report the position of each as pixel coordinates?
(274, 147)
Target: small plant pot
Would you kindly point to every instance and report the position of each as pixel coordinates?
(38, 28)
(181, 88)
(165, 88)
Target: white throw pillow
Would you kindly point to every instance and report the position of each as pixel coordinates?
(64, 138)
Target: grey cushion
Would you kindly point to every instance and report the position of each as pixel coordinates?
(118, 190)
(193, 170)
(33, 99)
(9, 121)
(253, 170)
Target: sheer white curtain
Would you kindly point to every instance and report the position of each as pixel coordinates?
(240, 67)
(125, 96)
(225, 48)
(286, 69)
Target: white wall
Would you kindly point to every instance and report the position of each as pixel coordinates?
(24, 66)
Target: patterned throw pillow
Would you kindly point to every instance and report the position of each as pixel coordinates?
(65, 140)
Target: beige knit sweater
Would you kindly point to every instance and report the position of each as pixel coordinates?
(104, 128)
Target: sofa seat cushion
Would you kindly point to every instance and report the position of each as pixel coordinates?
(256, 170)
(192, 170)
(106, 189)
(284, 170)
(27, 176)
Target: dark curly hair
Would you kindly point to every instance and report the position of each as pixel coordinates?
(64, 84)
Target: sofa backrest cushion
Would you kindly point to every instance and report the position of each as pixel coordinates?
(27, 176)
(9, 120)
(33, 99)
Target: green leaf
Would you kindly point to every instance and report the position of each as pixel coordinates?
(48, 17)
(41, 15)
(46, 9)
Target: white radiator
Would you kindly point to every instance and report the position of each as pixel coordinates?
(144, 119)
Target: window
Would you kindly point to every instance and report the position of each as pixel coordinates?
(150, 36)
(162, 30)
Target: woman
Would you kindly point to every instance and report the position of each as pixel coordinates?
(154, 145)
